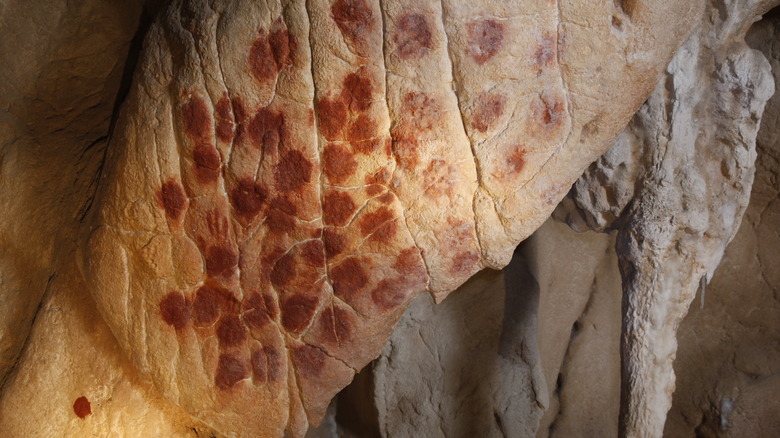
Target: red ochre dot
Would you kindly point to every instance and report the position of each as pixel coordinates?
(81, 407)
(174, 310)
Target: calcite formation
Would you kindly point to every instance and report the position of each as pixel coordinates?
(283, 178)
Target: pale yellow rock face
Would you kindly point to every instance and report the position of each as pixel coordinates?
(284, 178)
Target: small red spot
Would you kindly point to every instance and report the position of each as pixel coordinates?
(516, 161)
(173, 199)
(292, 171)
(420, 115)
(266, 130)
(412, 36)
(220, 260)
(338, 163)
(207, 163)
(439, 178)
(206, 306)
(388, 294)
(362, 134)
(464, 263)
(270, 54)
(409, 262)
(334, 242)
(337, 208)
(309, 361)
(258, 310)
(279, 222)
(225, 124)
(175, 310)
(374, 189)
(230, 370)
(81, 407)
(546, 55)
(348, 278)
(297, 312)
(283, 46)
(313, 252)
(358, 90)
(336, 325)
(230, 331)
(332, 115)
(488, 109)
(275, 364)
(387, 198)
(239, 110)
(548, 115)
(283, 271)
(247, 198)
(197, 119)
(381, 177)
(386, 232)
(486, 37)
(354, 18)
(370, 222)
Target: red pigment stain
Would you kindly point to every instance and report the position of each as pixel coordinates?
(275, 364)
(487, 109)
(516, 161)
(278, 221)
(358, 90)
(207, 163)
(313, 252)
(297, 312)
(374, 189)
(387, 198)
(439, 178)
(354, 19)
(270, 54)
(230, 370)
(81, 407)
(338, 163)
(464, 263)
(332, 117)
(546, 55)
(174, 201)
(409, 262)
(309, 361)
(220, 260)
(420, 114)
(230, 331)
(486, 37)
(258, 310)
(363, 135)
(175, 310)
(247, 198)
(337, 208)
(206, 306)
(292, 171)
(412, 36)
(348, 278)
(336, 325)
(259, 366)
(334, 242)
(386, 232)
(266, 130)
(548, 115)
(388, 294)
(225, 123)
(283, 271)
(197, 119)
(371, 221)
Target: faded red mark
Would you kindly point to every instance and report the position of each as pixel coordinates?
(332, 117)
(206, 306)
(247, 198)
(283, 271)
(230, 331)
(420, 114)
(279, 222)
(486, 37)
(354, 19)
(266, 129)
(207, 163)
(270, 54)
(358, 90)
(386, 232)
(309, 361)
(231, 369)
(388, 294)
(338, 163)
(175, 310)
(334, 242)
(546, 55)
(258, 310)
(515, 161)
(362, 134)
(412, 37)
(292, 171)
(409, 262)
(82, 407)
(374, 189)
(488, 108)
(197, 119)
(387, 198)
(297, 312)
(313, 252)
(174, 201)
(464, 263)
(547, 115)
(337, 208)
(348, 278)
(336, 325)
(439, 179)
(381, 177)
(259, 366)
(275, 364)
(220, 260)
(370, 222)
(225, 122)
